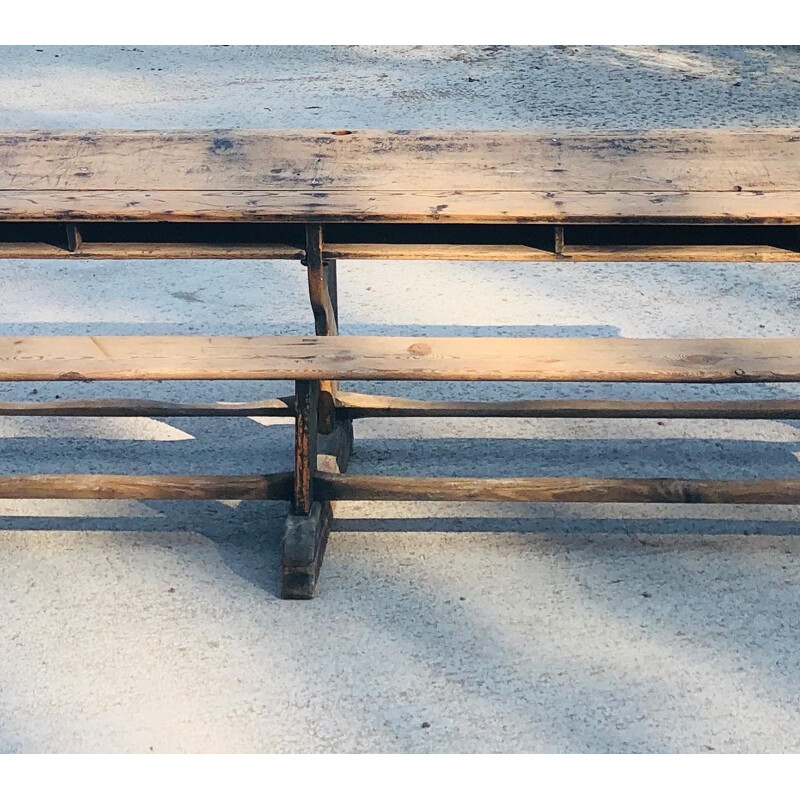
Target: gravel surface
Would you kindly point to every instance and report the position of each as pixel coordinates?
(155, 626)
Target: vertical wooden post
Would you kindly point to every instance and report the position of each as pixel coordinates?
(305, 445)
(323, 292)
(308, 524)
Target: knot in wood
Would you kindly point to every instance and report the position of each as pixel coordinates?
(419, 349)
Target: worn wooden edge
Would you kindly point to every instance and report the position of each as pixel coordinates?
(276, 486)
(558, 490)
(317, 207)
(304, 542)
(354, 405)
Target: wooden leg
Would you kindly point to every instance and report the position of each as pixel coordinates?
(308, 523)
(337, 436)
(321, 442)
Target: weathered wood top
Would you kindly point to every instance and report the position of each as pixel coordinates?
(68, 358)
(682, 176)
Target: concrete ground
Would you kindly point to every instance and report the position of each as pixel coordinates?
(155, 626)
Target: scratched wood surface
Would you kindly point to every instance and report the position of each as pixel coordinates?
(69, 358)
(680, 175)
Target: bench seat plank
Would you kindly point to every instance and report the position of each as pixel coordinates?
(402, 176)
(69, 358)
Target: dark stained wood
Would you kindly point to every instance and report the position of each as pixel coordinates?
(785, 491)
(304, 542)
(70, 358)
(73, 237)
(308, 524)
(305, 445)
(354, 405)
(277, 486)
(322, 290)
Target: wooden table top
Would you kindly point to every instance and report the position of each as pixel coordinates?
(680, 176)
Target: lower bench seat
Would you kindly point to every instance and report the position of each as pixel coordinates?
(316, 361)
(130, 358)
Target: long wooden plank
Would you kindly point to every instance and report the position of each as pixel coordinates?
(517, 252)
(363, 406)
(237, 160)
(781, 491)
(146, 250)
(274, 407)
(277, 486)
(76, 358)
(417, 206)
(454, 252)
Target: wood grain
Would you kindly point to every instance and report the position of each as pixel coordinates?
(442, 205)
(782, 491)
(71, 358)
(277, 486)
(354, 405)
(305, 445)
(238, 160)
(425, 176)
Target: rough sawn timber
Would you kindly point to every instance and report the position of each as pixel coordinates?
(123, 358)
(311, 176)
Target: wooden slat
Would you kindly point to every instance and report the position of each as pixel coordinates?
(454, 252)
(357, 205)
(69, 358)
(516, 252)
(785, 491)
(277, 486)
(362, 406)
(144, 250)
(236, 160)
(275, 407)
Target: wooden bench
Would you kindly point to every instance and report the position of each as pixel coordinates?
(320, 196)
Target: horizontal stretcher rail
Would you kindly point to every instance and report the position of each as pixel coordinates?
(277, 486)
(331, 486)
(781, 491)
(352, 405)
(275, 407)
(129, 358)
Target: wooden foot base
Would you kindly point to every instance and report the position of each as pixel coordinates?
(304, 544)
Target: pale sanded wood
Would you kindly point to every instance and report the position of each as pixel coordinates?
(67, 358)
(670, 160)
(276, 486)
(779, 491)
(356, 205)
(690, 175)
